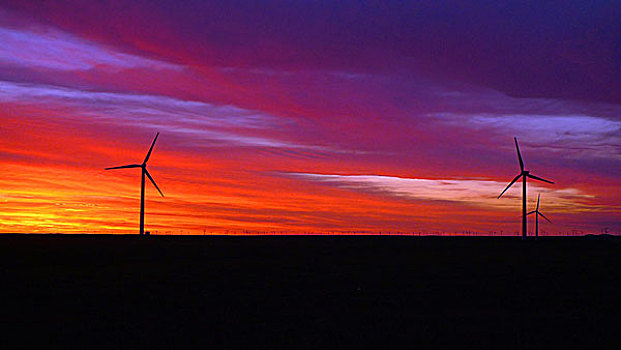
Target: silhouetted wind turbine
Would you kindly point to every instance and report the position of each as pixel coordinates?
(523, 174)
(143, 166)
(537, 214)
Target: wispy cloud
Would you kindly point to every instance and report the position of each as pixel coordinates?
(50, 48)
(136, 107)
(574, 135)
(205, 124)
(472, 192)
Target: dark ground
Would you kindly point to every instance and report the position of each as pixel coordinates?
(309, 292)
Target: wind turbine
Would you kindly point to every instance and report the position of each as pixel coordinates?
(537, 214)
(523, 174)
(143, 166)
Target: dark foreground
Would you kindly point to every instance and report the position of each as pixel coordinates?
(309, 292)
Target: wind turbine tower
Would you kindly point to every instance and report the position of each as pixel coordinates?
(145, 172)
(537, 214)
(523, 174)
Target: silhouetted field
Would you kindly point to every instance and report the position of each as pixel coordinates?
(309, 292)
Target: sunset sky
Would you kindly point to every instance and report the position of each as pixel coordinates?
(309, 116)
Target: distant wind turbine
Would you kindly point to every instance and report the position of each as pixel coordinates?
(523, 174)
(143, 166)
(537, 214)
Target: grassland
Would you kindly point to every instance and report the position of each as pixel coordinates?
(309, 292)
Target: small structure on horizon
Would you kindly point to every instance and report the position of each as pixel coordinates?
(145, 172)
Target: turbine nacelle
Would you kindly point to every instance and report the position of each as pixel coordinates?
(537, 212)
(523, 173)
(143, 165)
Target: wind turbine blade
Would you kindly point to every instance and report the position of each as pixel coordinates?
(151, 149)
(124, 167)
(512, 182)
(519, 155)
(538, 195)
(543, 216)
(538, 178)
(153, 182)
(534, 211)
